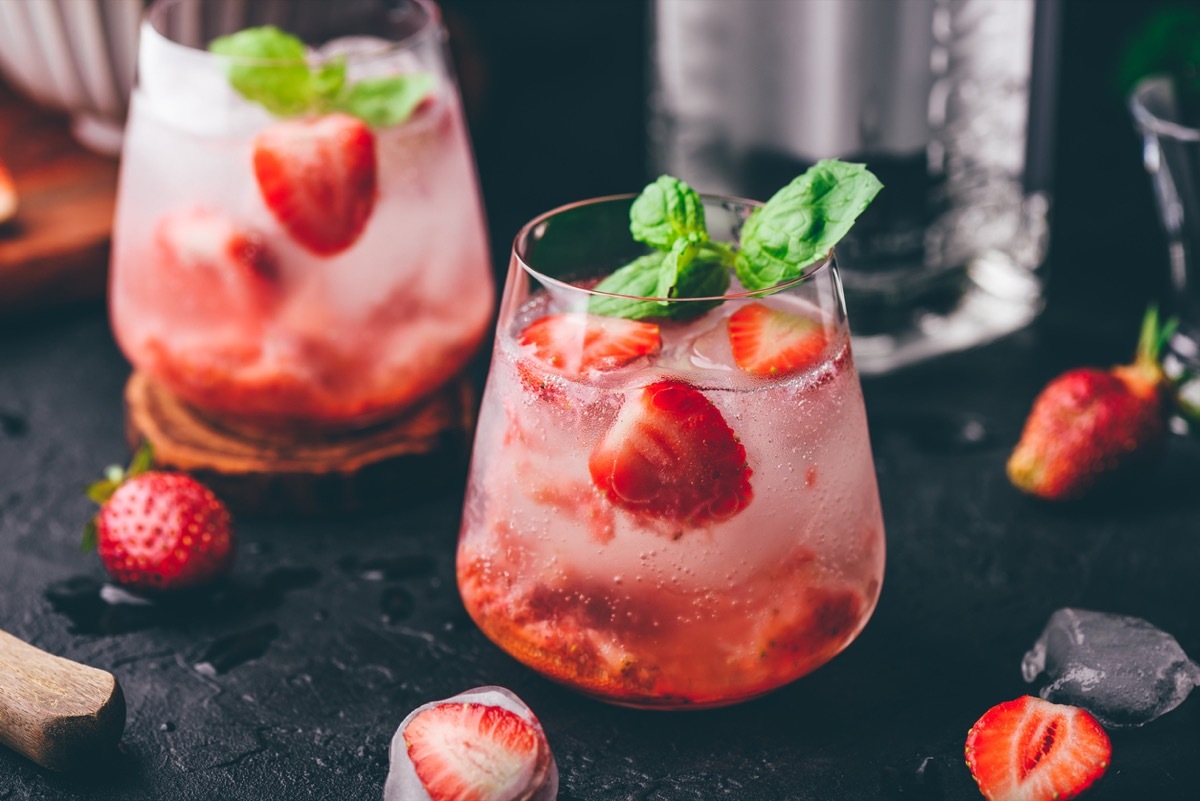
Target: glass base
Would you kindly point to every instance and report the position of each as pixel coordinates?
(98, 134)
(993, 296)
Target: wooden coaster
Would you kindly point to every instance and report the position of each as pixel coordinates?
(415, 455)
(56, 249)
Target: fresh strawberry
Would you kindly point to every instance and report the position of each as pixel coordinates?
(8, 195)
(576, 343)
(209, 264)
(476, 752)
(1028, 749)
(1089, 426)
(158, 531)
(770, 342)
(317, 176)
(671, 455)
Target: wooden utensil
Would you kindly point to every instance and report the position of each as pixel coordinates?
(61, 714)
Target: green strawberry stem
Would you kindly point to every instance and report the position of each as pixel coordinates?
(114, 476)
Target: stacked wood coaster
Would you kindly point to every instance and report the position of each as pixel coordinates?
(419, 453)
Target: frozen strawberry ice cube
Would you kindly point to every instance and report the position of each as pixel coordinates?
(484, 744)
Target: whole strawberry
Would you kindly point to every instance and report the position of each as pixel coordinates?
(1090, 425)
(157, 530)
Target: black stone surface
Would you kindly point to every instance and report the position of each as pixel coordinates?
(289, 680)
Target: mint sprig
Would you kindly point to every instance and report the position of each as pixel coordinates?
(269, 66)
(796, 227)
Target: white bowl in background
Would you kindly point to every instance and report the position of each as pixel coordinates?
(74, 55)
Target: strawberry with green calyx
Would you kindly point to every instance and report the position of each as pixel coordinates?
(1089, 425)
(157, 530)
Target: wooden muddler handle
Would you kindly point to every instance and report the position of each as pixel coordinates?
(59, 713)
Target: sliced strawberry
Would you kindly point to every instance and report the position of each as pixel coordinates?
(576, 343)
(671, 455)
(1028, 749)
(209, 264)
(770, 342)
(8, 195)
(317, 176)
(474, 752)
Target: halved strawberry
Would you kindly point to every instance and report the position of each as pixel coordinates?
(209, 264)
(576, 342)
(1028, 749)
(317, 176)
(671, 455)
(770, 342)
(476, 752)
(8, 195)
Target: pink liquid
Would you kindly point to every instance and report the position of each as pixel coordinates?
(633, 609)
(326, 341)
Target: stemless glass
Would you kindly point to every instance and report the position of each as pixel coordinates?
(304, 272)
(650, 523)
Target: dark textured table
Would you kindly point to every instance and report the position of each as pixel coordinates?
(290, 681)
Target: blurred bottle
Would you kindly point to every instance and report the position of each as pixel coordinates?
(950, 103)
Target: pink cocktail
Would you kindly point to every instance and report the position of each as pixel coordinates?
(668, 512)
(287, 265)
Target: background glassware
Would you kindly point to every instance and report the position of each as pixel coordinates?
(636, 609)
(950, 103)
(326, 341)
(1171, 154)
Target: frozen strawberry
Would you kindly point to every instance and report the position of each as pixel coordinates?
(671, 455)
(159, 531)
(210, 265)
(1028, 749)
(770, 342)
(481, 745)
(1089, 426)
(318, 177)
(8, 195)
(576, 343)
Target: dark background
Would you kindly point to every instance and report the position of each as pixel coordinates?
(336, 628)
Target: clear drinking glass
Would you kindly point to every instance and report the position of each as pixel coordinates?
(646, 521)
(1171, 153)
(329, 288)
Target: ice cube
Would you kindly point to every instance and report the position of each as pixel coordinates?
(369, 56)
(1122, 669)
(403, 784)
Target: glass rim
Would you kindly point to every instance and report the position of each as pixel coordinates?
(433, 20)
(523, 235)
(1151, 122)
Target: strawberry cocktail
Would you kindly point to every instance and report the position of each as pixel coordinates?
(672, 500)
(299, 240)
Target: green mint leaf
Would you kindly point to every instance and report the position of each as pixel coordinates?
(802, 222)
(704, 276)
(381, 102)
(282, 82)
(90, 536)
(676, 261)
(328, 79)
(666, 211)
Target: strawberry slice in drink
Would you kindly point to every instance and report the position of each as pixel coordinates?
(769, 342)
(318, 178)
(1028, 749)
(577, 343)
(671, 455)
(214, 268)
